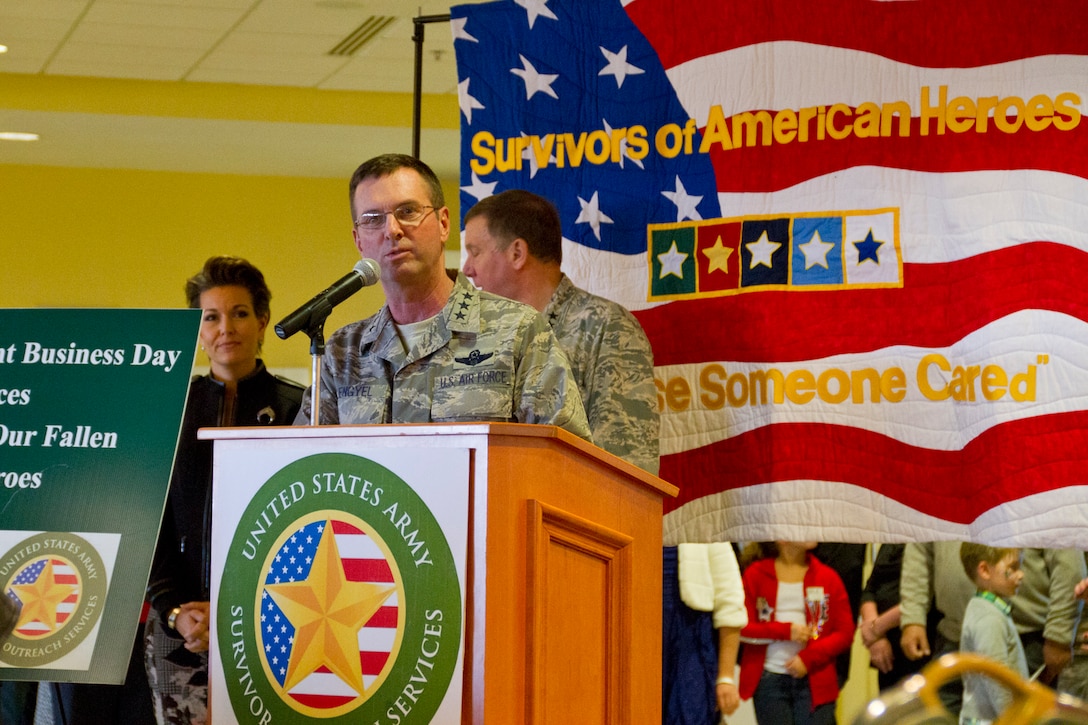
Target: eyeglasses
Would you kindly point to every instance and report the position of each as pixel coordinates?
(407, 215)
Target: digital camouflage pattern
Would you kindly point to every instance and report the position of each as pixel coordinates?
(483, 358)
(614, 367)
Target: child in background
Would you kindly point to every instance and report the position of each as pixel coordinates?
(799, 622)
(988, 628)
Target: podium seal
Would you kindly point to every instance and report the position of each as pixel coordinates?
(339, 600)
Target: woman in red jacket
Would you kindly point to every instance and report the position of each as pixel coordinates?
(799, 621)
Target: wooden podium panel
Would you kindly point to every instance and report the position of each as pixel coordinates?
(576, 566)
(563, 568)
(572, 566)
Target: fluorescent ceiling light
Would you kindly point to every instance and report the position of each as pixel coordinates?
(17, 136)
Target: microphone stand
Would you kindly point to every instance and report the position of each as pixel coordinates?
(317, 349)
(316, 333)
(310, 318)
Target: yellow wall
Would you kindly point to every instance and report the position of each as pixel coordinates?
(231, 101)
(72, 237)
(115, 238)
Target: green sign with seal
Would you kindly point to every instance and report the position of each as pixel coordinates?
(91, 402)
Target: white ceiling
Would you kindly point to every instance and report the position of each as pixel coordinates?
(269, 43)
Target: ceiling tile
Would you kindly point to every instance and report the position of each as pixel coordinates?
(13, 28)
(291, 16)
(45, 10)
(164, 15)
(28, 56)
(143, 37)
(259, 44)
(132, 55)
(283, 43)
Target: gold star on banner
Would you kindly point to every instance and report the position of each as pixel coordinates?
(327, 612)
(719, 256)
(41, 598)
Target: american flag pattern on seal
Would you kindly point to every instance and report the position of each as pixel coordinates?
(331, 613)
(48, 588)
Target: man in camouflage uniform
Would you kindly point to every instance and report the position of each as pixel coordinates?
(514, 246)
(439, 350)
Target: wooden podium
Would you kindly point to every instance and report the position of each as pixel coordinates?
(563, 590)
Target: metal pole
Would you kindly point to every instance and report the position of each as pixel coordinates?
(317, 351)
(417, 37)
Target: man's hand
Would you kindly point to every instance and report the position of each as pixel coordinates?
(915, 642)
(1055, 656)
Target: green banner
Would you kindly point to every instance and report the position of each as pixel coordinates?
(91, 403)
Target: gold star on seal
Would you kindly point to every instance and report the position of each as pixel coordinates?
(41, 598)
(327, 612)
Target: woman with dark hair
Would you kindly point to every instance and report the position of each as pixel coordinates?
(238, 390)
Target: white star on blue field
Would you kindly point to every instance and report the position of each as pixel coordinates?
(581, 72)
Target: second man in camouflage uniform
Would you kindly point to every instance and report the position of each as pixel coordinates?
(514, 246)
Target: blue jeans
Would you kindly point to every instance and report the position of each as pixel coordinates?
(786, 700)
